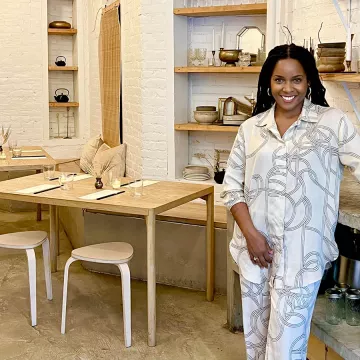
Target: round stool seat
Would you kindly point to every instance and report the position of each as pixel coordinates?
(23, 240)
(107, 253)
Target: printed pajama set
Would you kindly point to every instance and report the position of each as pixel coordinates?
(291, 187)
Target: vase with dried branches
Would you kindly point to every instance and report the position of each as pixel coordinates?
(4, 139)
(99, 169)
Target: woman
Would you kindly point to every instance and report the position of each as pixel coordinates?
(282, 187)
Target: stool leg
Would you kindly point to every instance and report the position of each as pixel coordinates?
(47, 268)
(126, 295)
(66, 279)
(32, 282)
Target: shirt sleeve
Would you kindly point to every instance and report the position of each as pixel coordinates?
(233, 192)
(349, 146)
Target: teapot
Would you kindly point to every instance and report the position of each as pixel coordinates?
(62, 98)
(60, 62)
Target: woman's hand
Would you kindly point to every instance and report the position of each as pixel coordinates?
(259, 250)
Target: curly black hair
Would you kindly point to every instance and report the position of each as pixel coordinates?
(306, 59)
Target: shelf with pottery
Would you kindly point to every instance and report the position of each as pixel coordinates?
(219, 69)
(202, 127)
(227, 10)
(63, 104)
(341, 77)
(63, 68)
(69, 32)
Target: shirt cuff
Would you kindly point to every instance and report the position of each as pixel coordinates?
(232, 197)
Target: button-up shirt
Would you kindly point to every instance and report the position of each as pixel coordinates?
(291, 187)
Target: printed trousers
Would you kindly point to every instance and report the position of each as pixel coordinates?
(277, 319)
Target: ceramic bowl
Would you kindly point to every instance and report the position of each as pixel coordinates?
(338, 45)
(206, 117)
(196, 169)
(206, 108)
(330, 52)
(331, 60)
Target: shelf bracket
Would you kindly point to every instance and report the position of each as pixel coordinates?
(351, 99)
(341, 15)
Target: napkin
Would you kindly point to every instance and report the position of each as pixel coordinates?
(34, 189)
(99, 194)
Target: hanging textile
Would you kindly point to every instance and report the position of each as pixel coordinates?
(110, 73)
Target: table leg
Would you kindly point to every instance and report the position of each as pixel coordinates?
(38, 207)
(210, 248)
(234, 305)
(151, 278)
(53, 238)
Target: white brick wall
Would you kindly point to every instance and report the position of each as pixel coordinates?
(132, 74)
(304, 19)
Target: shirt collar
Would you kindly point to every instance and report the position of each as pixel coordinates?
(308, 113)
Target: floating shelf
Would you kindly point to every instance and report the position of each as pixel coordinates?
(341, 77)
(245, 9)
(69, 32)
(211, 128)
(68, 104)
(63, 68)
(219, 69)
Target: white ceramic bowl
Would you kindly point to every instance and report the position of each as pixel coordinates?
(206, 117)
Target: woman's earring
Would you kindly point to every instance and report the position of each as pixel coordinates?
(309, 94)
(268, 92)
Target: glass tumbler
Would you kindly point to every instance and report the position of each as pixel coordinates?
(136, 188)
(352, 307)
(49, 171)
(66, 181)
(334, 306)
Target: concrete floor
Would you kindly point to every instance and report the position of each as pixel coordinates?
(188, 326)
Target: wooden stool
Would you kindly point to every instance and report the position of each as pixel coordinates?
(28, 241)
(117, 253)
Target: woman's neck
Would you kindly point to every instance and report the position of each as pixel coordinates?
(288, 115)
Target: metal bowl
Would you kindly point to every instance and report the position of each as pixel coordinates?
(59, 25)
(230, 57)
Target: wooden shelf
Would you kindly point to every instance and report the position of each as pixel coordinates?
(69, 32)
(68, 104)
(219, 69)
(339, 77)
(63, 68)
(211, 128)
(245, 9)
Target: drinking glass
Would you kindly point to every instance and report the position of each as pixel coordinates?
(192, 57)
(16, 151)
(201, 55)
(12, 144)
(49, 171)
(136, 188)
(66, 181)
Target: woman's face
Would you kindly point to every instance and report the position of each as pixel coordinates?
(289, 85)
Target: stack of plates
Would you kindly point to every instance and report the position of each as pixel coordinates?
(196, 173)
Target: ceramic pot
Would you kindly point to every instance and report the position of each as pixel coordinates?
(98, 183)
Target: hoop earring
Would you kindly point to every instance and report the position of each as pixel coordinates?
(268, 92)
(309, 94)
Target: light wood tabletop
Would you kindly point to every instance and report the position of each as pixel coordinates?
(11, 164)
(157, 198)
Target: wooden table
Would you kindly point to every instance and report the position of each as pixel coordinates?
(10, 164)
(156, 199)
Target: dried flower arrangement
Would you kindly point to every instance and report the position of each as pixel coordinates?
(4, 135)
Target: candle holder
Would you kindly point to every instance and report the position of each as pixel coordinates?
(212, 60)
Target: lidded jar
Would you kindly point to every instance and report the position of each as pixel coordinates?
(352, 307)
(334, 306)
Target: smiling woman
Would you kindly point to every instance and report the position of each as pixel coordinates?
(281, 186)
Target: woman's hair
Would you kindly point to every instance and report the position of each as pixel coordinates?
(307, 61)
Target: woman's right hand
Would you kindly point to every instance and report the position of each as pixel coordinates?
(259, 250)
